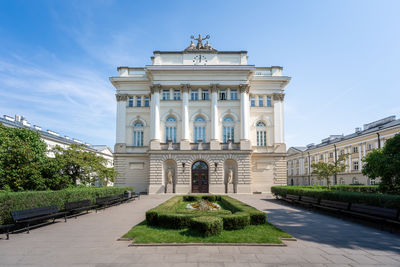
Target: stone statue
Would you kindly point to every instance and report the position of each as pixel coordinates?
(191, 46)
(230, 177)
(170, 176)
(200, 41)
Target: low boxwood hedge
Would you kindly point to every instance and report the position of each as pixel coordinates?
(238, 216)
(376, 199)
(207, 225)
(343, 187)
(10, 201)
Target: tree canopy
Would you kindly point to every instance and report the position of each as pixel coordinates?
(325, 170)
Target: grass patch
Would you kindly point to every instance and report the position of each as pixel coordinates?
(265, 233)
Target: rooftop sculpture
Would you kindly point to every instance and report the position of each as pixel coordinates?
(199, 45)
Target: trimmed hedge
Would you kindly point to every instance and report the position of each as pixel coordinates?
(11, 201)
(237, 216)
(348, 188)
(207, 225)
(379, 200)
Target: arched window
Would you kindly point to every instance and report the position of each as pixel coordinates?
(138, 134)
(261, 133)
(170, 129)
(199, 129)
(228, 129)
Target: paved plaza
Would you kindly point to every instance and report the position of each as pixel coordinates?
(91, 240)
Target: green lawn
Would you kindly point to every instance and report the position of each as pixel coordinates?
(267, 233)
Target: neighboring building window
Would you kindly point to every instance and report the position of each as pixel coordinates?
(138, 134)
(204, 95)
(170, 129)
(355, 149)
(177, 94)
(234, 94)
(261, 133)
(194, 95)
(138, 101)
(269, 104)
(372, 182)
(355, 180)
(222, 95)
(146, 101)
(331, 154)
(369, 147)
(341, 181)
(165, 95)
(130, 101)
(199, 129)
(228, 129)
(260, 101)
(342, 152)
(355, 165)
(321, 157)
(253, 101)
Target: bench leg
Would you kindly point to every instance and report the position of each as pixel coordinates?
(65, 218)
(27, 228)
(8, 234)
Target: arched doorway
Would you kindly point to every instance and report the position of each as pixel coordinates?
(199, 177)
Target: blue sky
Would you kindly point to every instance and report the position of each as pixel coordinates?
(343, 57)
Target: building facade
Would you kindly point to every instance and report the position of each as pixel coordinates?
(200, 120)
(356, 146)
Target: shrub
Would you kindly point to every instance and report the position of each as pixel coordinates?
(190, 198)
(380, 200)
(11, 201)
(236, 221)
(257, 217)
(174, 221)
(207, 226)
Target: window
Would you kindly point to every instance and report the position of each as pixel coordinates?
(138, 101)
(130, 102)
(146, 101)
(355, 180)
(194, 95)
(260, 101)
(342, 152)
(341, 181)
(204, 95)
(138, 134)
(261, 133)
(370, 147)
(321, 157)
(355, 165)
(253, 101)
(372, 182)
(199, 129)
(165, 94)
(331, 155)
(228, 129)
(355, 149)
(177, 94)
(269, 104)
(170, 129)
(222, 95)
(234, 94)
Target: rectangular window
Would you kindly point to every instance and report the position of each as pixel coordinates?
(177, 94)
(369, 146)
(170, 134)
(204, 95)
(138, 138)
(331, 155)
(260, 101)
(165, 95)
(355, 165)
(342, 152)
(234, 94)
(355, 149)
(222, 95)
(194, 95)
(269, 104)
(321, 157)
(199, 134)
(130, 102)
(228, 132)
(261, 138)
(253, 101)
(146, 101)
(138, 101)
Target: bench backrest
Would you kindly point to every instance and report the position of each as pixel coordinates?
(335, 204)
(295, 197)
(32, 213)
(309, 199)
(372, 210)
(77, 204)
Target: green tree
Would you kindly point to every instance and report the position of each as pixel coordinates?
(22, 155)
(325, 170)
(83, 167)
(385, 163)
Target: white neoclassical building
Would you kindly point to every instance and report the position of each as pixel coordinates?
(200, 121)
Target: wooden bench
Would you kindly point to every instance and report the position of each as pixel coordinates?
(77, 207)
(374, 213)
(291, 198)
(333, 205)
(6, 228)
(28, 216)
(104, 202)
(308, 201)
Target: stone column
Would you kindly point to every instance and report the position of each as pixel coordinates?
(245, 143)
(120, 140)
(278, 122)
(214, 143)
(185, 142)
(155, 135)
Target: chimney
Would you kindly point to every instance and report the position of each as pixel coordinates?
(18, 118)
(66, 137)
(358, 129)
(37, 127)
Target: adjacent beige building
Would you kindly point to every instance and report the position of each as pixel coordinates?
(355, 146)
(200, 120)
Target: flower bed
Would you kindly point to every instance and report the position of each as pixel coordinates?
(203, 204)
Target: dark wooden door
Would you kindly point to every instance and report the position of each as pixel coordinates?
(199, 177)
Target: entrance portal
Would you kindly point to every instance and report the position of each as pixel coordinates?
(199, 177)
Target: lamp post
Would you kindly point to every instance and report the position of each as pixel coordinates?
(335, 176)
(309, 169)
